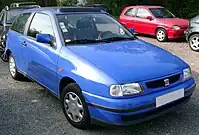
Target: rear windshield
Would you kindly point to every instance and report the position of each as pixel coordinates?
(11, 15)
(195, 19)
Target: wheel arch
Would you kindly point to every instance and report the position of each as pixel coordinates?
(64, 82)
(196, 32)
(7, 54)
(160, 27)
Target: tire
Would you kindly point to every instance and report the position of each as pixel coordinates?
(161, 35)
(13, 69)
(74, 90)
(194, 42)
(2, 50)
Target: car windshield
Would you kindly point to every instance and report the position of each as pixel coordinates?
(11, 15)
(91, 28)
(161, 13)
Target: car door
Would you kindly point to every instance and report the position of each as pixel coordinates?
(128, 18)
(41, 59)
(142, 24)
(16, 37)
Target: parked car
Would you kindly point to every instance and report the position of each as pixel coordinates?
(192, 34)
(7, 16)
(24, 4)
(99, 70)
(154, 20)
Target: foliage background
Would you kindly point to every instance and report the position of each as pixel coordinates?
(181, 8)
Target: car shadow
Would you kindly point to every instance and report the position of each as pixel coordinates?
(181, 40)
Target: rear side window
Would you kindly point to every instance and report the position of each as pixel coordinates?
(195, 19)
(20, 23)
(12, 15)
(1, 16)
(143, 13)
(41, 23)
(130, 12)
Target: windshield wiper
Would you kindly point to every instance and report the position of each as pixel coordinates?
(83, 41)
(107, 40)
(118, 39)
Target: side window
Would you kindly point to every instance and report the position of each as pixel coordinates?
(1, 16)
(41, 23)
(20, 23)
(143, 13)
(130, 12)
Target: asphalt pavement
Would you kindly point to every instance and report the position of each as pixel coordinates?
(25, 109)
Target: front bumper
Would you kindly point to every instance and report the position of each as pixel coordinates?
(135, 110)
(187, 33)
(175, 34)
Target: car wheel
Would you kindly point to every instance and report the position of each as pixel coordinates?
(161, 35)
(13, 69)
(2, 55)
(75, 107)
(194, 42)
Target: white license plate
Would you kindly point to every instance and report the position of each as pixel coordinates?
(167, 98)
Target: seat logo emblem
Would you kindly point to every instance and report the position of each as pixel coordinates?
(166, 82)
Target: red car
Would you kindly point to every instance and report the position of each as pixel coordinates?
(154, 20)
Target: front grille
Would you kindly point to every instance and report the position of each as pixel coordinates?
(161, 82)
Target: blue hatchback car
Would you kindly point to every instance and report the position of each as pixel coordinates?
(99, 70)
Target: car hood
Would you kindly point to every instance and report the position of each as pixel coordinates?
(183, 23)
(130, 61)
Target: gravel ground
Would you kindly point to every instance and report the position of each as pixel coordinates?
(27, 110)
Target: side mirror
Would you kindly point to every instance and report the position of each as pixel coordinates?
(44, 38)
(149, 18)
(132, 30)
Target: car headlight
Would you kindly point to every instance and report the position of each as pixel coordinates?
(187, 73)
(175, 27)
(125, 90)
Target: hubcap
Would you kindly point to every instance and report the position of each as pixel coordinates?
(160, 35)
(73, 107)
(195, 43)
(12, 66)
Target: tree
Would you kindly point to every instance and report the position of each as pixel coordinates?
(181, 8)
(67, 2)
(46, 2)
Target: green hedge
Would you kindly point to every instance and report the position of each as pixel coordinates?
(181, 8)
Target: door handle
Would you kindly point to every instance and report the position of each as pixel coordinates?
(24, 43)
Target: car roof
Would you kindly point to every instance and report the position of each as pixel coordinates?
(23, 3)
(145, 6)
(16, 9)
(61, 10)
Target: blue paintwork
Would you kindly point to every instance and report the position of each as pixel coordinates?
(96, 67)
(130, 59)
